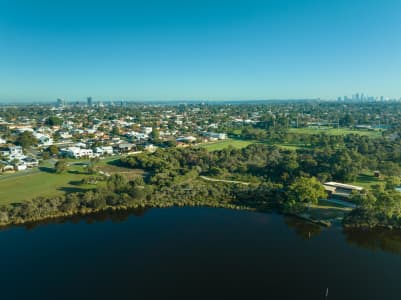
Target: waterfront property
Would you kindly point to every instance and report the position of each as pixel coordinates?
(336, 189)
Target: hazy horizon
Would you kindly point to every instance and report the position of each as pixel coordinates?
(198, 50)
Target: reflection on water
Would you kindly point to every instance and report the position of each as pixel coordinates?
(386, 240)
(305, 230)
(196, 253)
(108, 215)
(380, 239)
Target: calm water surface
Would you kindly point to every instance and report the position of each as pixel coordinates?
(197, 253)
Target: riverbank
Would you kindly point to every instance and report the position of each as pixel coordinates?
(151, 204)
(91, 211)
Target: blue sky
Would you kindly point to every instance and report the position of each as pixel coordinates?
(178, 50)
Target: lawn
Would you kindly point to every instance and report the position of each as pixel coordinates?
(36, 183)
(336, 131)
(239, 144)
(111, 166)
(42, 181)
(366, 180)
(213, 146)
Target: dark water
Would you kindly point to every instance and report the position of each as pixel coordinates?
(197, 253)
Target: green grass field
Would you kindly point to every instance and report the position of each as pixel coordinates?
(291, 146)
(239, 144)
(366, 180)
(336, 131)
(24, 186)
(42, 181)
(226, 143)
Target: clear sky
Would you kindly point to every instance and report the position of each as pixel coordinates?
(206, 49)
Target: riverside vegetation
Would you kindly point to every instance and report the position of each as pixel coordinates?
(284, 154)
(280, 179)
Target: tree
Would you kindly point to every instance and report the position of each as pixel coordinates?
(170, 143)
(91, 167)
(155, 135)
(61, 166)
(53, 149)
(115, 130)
(53, 121)
(26, 139)
(45, 155)
(364, 199)
(389, 168)
(392, 182)
(305, 190)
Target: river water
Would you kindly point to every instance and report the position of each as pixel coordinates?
(197, 253)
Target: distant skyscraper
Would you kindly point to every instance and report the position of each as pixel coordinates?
(60, 102)
(89, 101)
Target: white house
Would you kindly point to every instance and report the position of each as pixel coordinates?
(214, 135)
(80, 145)
(2, 141)
(187, 139)
(65, 135)
(15, 152)
(138, 135)
(21, 167)
(30, 162)
(76, 152)
(104, 150)
(44, 139)
(147, 130)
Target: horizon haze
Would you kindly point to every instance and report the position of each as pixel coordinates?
(198, 50)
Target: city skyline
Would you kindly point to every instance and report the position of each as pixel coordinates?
(203, 50)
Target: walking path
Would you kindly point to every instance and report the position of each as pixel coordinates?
(222, 180)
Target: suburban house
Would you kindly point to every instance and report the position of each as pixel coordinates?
(30, 162)
(77, 152)
(6, 166)
(215, 135)
(125, 147)
(20, 167)
(14, 152)
(44, 139)
(336, 189)
(104, 150)
(137, 135)
(187, 139)
(147, 130)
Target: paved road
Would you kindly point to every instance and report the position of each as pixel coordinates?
(222, 180)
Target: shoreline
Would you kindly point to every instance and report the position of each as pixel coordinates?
(125, 208)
